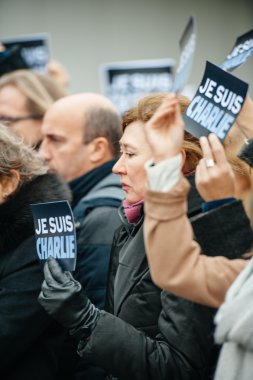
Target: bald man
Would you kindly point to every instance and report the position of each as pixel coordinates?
(80, 142)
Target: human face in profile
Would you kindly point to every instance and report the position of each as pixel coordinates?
(14, 114)
(135, 152)
(62, 147)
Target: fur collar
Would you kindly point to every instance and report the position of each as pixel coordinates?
(16, 222)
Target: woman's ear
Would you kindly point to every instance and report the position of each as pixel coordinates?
(10, 183)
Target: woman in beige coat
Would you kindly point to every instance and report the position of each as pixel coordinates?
(174, 257)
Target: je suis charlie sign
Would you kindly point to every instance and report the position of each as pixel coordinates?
(187, 45)
(216, 104)
(55, 233)
(241, 51)
(34, 50)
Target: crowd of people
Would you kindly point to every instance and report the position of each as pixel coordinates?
(163, 282)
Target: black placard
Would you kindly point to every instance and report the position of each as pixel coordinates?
(11, 60)
(187, 45)
(241, 51)
(216, 104)
(34, 49)
(55, 233)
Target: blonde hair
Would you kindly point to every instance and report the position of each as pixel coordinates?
(14, 154)
(40, 89)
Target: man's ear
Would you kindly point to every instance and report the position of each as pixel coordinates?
(10, 183)
(100, 151)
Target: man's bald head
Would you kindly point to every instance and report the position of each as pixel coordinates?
(97, 114)
(75, 128)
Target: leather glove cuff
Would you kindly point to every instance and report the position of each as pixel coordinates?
(91, 316)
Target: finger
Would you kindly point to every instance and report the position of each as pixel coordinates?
(169, 97)
(49, 280)
(170, 100)
(161, 117)
(69, 276)
(197, 174)
(217, 149)
(178, 117)
(202, 172)
(54, 272)
(206, 148)
(46, 290)
(166, 107)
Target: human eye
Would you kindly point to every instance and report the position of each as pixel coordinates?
(129, 154)
(55, 139)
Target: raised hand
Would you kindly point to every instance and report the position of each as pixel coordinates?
(165, 130)
(59, 72)
(214, 178)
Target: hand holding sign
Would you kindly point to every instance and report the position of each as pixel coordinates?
(165, 130)
(214, 181)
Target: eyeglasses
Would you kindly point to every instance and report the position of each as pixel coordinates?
(10, 120)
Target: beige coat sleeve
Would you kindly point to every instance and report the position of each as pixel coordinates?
(175, 261)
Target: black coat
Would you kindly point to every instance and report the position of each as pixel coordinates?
(29, 338)
(147, 334)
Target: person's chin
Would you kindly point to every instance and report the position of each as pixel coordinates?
(130, 199)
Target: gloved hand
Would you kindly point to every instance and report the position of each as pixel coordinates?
(64, 299)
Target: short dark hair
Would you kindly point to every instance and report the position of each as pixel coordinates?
(103, 122)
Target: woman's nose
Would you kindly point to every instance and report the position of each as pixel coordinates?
(119, 167)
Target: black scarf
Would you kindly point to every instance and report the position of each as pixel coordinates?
(194, 199)
(82, 185)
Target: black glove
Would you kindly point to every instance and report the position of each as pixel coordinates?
(64, 299)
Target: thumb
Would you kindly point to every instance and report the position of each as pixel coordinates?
(53, 272)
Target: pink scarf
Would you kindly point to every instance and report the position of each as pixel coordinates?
(133, 211)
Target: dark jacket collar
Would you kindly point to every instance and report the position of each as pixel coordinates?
(194, 198)
(16, 222)
(82, 185)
